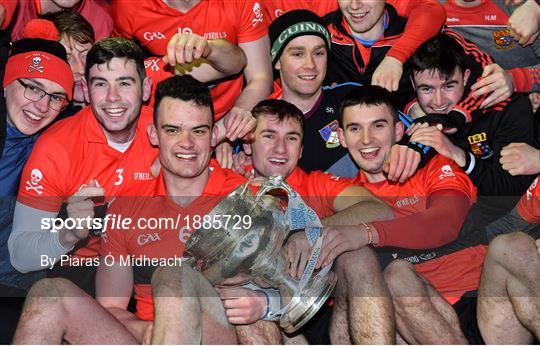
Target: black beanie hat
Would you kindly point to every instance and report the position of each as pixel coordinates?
(291, 25)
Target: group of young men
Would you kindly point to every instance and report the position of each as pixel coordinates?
(417, 210)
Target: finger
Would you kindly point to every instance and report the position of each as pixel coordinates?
(495, 97)
(532, 39)
(234, 312)
(248, 128)
(238, 320)
(395, 84)
(180, 49)
(331, 238)
(515, 171)
(400, 165)
(169, 57)
(486, 88)
(413, 128)
(302, 262)
(334, 253)
(87, 192)
(413, 158)
(189, 49)
(234, 128)
(294, 257)
(200, 45)
(234, 119)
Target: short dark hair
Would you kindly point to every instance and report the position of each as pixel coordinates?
(107, 49)
(72, 25)
(368, 95)
(279, 108)
(184, 88)
(440, 54)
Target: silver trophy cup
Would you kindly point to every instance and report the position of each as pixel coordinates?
(255, 254)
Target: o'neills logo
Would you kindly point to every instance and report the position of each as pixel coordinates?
(294, 30)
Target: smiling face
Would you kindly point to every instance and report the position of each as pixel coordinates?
(437, 94)
(302, 65)
(365, 17)
(185, 137)
(368, 133)
(30, 116)
(116, 93)
(277, 146)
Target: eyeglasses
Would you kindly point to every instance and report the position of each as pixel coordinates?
(57, 102)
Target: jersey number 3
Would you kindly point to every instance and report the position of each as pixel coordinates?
(120, 177)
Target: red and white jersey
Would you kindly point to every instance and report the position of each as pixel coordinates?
(410, 197)
(529, 204)
(75, 151)
(150, 235)
(153, 23)
(452, 274)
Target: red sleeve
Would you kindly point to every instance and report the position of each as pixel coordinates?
(43, 177)
(253, 21)
(9, 7)
(425, 20)
(329, 186)
(526, 79)
(123, 12)
(444, 174)
(425, 230)
(529, 205)
(477, 60)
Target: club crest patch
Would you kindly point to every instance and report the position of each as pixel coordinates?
(330, 135)
(503, 39)
(480, 146)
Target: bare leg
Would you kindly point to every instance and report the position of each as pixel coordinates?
(188, 309)
(363, 313)
(298, 339)
(422, 315)
(509, 293)
(259, 333)
(57, 310)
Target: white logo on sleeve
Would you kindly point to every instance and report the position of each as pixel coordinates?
(258, 14)
(33, 182)
(446, 172)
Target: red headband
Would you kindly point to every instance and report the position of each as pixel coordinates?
(38, 64)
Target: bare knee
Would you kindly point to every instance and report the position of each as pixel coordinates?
(402, 279)
(516, 252)
(53, 288)
(506, 246)
(362, 262)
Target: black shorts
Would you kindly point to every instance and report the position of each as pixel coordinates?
(466, 310)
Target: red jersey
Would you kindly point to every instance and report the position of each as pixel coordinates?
(275, 8)
(74, 151)
(410, 198)
(318, 189)
(160, 240)
(153, 23)
(529, 204)
(18, 13)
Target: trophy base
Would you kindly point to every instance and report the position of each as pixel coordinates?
(302, 309)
